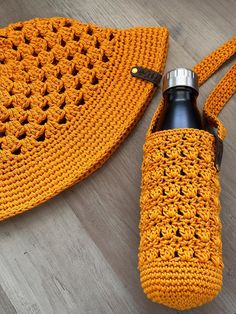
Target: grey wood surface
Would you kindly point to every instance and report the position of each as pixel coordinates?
(77, 253)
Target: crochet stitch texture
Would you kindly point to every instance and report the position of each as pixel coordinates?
(180, 249)
(180, 253)
(67, 101)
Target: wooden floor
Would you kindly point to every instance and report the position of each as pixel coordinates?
(77, 253)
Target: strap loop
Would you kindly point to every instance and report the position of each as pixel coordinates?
(224, 90)
(211, 63)
(221, 94)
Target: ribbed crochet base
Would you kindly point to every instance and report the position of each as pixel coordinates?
(181, 285)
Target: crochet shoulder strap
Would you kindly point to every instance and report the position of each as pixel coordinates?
(224, 90)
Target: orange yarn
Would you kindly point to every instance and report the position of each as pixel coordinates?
(180, 253)
(67, 100)
(180, 249)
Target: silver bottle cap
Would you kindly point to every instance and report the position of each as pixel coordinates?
(180, 77)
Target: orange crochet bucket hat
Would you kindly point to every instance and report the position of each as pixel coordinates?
(67, 100)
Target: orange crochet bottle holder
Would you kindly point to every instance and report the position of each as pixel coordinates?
(180, 253)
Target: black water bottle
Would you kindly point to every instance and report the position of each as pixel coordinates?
(180, 91)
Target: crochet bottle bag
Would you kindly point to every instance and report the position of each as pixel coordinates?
(180, 253)
(67, 100)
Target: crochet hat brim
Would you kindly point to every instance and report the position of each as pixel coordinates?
(70, 132)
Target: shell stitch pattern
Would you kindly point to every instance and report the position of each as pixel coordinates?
(180, 254)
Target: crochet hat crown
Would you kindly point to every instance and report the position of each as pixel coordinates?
(67, 100)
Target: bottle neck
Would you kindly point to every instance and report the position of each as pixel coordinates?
(181, 93)
(180, 109)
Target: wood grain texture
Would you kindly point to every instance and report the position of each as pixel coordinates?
(77, 253)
